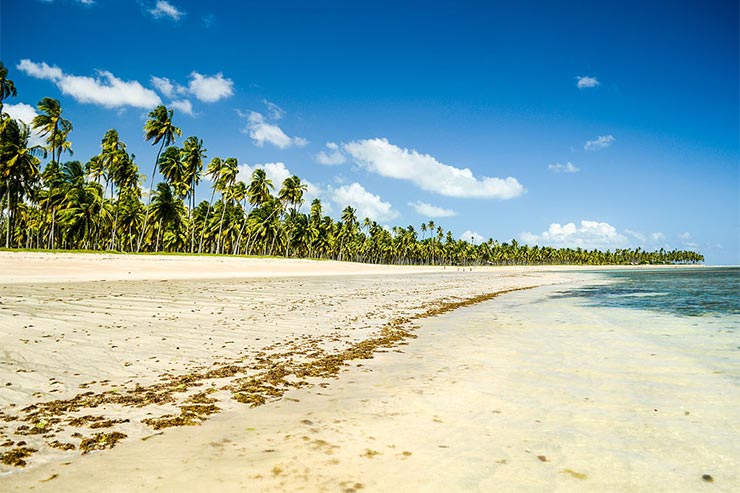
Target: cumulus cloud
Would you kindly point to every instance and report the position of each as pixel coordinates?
(167, 87)
(166, 9)
(585, 81)
(601, 142)
(25, 113)
(105, 90)
(210, 89)
(429, 210)
(332, 157)
(366, 203)
(40, 70)
(183, 105)
(563, 168)
(472, 237)
(262, 131)
(381, 157)
(589, 235)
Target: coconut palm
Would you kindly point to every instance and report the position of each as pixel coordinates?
(167, 210)
(192, 158)
(227, 178)
(260, 187)
(51, 125)
(19, 168)
(291, 194)
(214, 170)
(160, 130)
(7, 87)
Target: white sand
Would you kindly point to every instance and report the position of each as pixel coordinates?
(464, 407)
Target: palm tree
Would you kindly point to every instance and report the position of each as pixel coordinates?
(167, 210)
(52, 126)
(214, 172)
(19, 168)
(291, 194)
(226, 180)
(258, 191)
(160, 130)
(125, 179)
(7, 87)
(192, 158)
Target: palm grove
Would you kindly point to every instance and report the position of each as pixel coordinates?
(99, 205)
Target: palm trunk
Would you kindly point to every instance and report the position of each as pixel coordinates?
(220, 226)
(7, 222)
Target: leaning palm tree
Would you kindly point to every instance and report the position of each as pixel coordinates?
(51, 125)
(160, 130)
(7, 87)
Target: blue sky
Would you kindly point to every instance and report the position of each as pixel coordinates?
(594, 124)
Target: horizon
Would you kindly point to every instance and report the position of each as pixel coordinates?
(609, 126)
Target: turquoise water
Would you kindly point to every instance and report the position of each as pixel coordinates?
(684, 292)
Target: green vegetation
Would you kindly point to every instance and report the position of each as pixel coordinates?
(98, 206)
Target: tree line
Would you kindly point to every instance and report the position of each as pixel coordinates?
(100, 205)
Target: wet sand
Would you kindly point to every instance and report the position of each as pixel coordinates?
(408, 387)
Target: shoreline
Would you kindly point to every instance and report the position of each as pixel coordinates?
(46, 267)
(184, 382)
(91, 363)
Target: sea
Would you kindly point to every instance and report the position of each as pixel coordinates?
(685, 292)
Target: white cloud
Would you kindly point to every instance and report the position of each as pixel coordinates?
(276, 112)
(429, 210)
(589, 235)
(687, 240)
(366, 203)
(105, 90)
(183, 105)
(167, 87)
(386, 159)
(601, 142)
(657, 237)
(333, 157)
(210, 89)
(40, 70)
(636, 234)
(166, 9)
(585, 81)
(25, 113)
(563, 168)
(472, 237)
(261, 131)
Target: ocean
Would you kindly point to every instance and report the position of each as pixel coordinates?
(713, 291)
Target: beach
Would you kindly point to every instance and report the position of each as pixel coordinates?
(177, 373)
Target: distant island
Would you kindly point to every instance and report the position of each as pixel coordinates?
(100, 205)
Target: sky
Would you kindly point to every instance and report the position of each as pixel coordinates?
(607, 124)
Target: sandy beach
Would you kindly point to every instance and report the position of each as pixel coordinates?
(176, 373)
